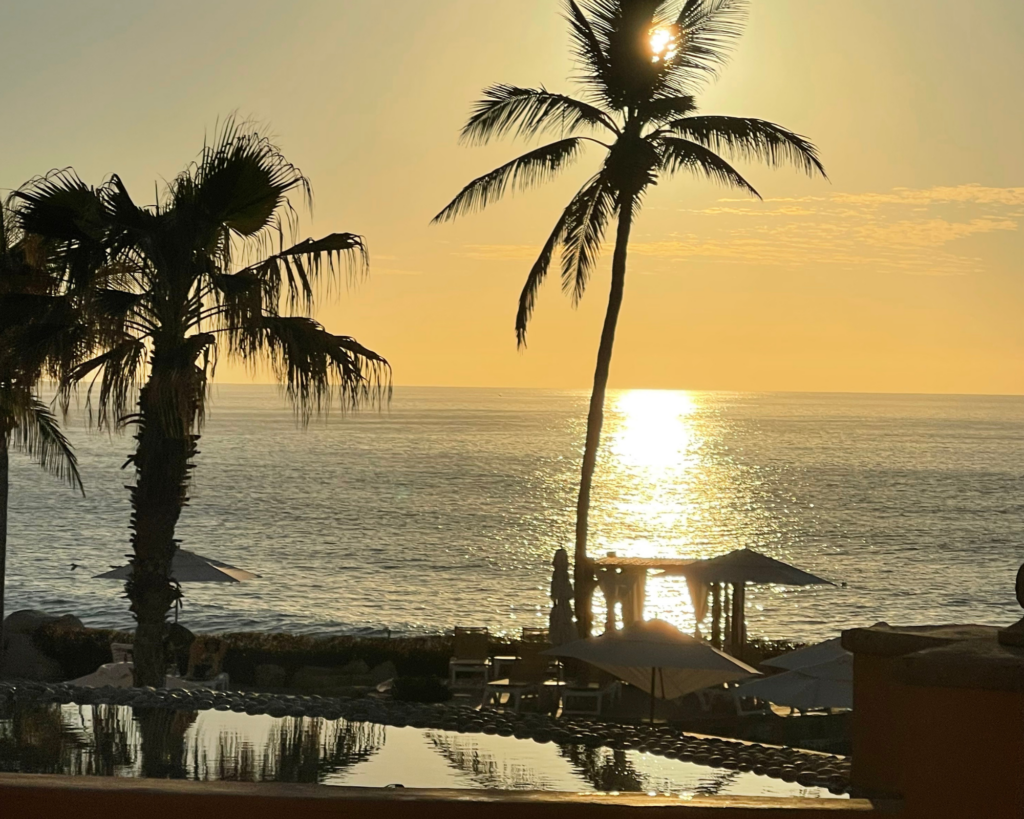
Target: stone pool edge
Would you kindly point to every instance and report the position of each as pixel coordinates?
(32, 795)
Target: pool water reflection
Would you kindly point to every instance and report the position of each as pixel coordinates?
(114, 741)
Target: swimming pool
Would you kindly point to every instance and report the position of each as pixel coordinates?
(114, 740)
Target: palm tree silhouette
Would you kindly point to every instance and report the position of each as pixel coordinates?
(641, 62)
(205, 271)
(29, 337)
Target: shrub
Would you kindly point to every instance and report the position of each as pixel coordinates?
(82, 652)
(412, 656)
(78, 652)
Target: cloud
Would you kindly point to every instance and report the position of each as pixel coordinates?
(909, 230)
(964, 194)
(904, 230)
(501, 253)
(390, 271)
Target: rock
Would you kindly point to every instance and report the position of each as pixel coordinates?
(21, 658)
(29, 621)
(271, 676)
(383, 672)
(23, 661)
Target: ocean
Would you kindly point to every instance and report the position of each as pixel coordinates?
(445, 509)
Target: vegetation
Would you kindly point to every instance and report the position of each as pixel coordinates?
(204, 272)
(640, 64)
(81, 652)
(31, 336)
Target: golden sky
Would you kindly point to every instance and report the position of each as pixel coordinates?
(903, 274)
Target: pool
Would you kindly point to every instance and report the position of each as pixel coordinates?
(117, 740)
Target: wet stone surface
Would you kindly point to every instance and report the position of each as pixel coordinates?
(806, 768)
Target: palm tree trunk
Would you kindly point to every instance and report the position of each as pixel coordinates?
(4, 487)
(582, 569)
(165, 447)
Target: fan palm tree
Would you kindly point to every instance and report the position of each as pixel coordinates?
(27, 425)
(204, 272)
(641, 62)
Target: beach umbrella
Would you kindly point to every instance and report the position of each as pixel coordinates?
(658, 658)
(748, 566)
(825, 685)
(188, 567)
(811, 655)
(739, 569)
(561, 628)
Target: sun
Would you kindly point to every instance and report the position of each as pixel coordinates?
(664, 44)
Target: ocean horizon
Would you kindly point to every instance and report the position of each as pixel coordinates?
(445, 508)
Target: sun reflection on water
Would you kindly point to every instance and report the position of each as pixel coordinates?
(656, 478)
(655, 431)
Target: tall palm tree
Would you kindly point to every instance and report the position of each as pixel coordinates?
(204, 272)
(27, 425)
(641, 62)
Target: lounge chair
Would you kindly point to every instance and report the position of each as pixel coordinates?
(533, 634)
(470, 665)
(501, 665)
(526, 676)
(205, 659)
(122, 652)
(588, 694)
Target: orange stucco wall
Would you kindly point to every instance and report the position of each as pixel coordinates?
(949, 753)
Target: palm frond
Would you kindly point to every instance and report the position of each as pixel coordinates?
(61, 206)
(539, 272)
(578, 232)
(315, 366)
(240, 180)
(752, 139)
(38, 435)
(71, 217)
(120, 371)
(589, 50)
(663, 110)
(527, 171)
(588, 219)
(299, 268)
(680, 154)
(708, 31)
(623, 27)
(528, 112)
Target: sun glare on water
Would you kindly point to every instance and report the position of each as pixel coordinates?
(654, 432)
(664, 44)
(658, 488)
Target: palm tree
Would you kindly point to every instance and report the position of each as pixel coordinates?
(27, 425)
(204, 272)
(641, 62)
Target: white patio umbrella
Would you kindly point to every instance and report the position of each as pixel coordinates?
(188, 567)
(826, 685)
(811, 655)
(657, 658)
(561, 628)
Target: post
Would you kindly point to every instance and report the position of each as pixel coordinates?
(740, 615)
(727, 608)
(716, 615)
(653, 670)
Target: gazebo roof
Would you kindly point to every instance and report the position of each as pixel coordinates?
(742, 566)
(748, 566)
(668, 565)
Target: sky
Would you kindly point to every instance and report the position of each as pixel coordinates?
(902, 273)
